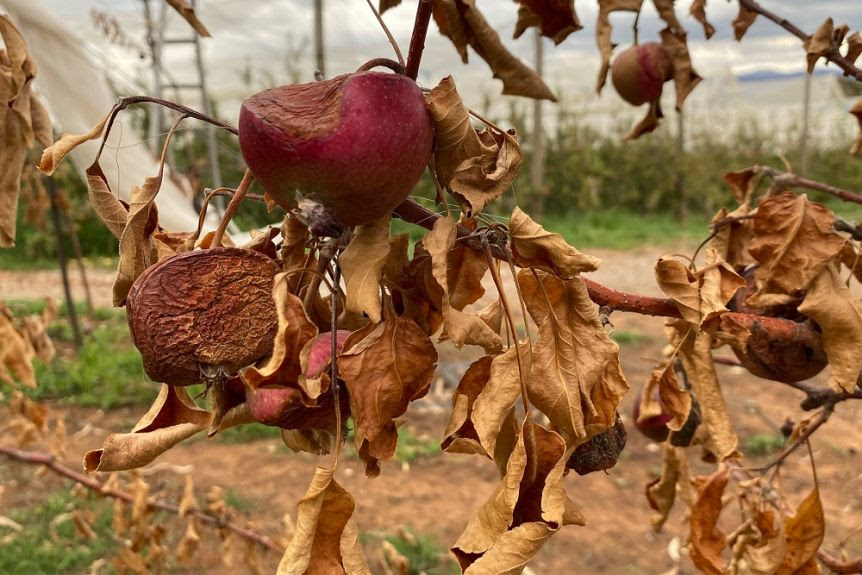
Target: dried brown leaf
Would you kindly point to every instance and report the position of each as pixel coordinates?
(534, 246)
(696, 355)
(743, 183)
(187, 11)
(819, 44)
(672, 399)
(603, 33)
(325, 540)
(385, 370)
(528, 506)
(362, 265)
(685, 79)
(385, 5)
(666, 12)
(648, 124)
(743, 21)
(804, 534)
(463, 23)
(575, 377)
(707, 541)
(856, 110)
(793, 241)
(556, 19)
(461, 327)
(465, 268)
(16, 355)
(295, 330)
(188, 545)
(53, 155)
(731, 240)
(494, 404)
(172, 418)
(460, 435)
(698, 10)
(476, 166)
(661, 492)
(830, 303)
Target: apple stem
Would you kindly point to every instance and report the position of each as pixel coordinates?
(417, 40)
(396, 67)
(235, 201)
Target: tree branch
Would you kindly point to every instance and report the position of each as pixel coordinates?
(838, 566)
(833, 55)
(49, 461)
(787, 180)
(417, 40)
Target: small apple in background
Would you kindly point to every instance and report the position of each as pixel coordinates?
(639, 72)
(654, 427)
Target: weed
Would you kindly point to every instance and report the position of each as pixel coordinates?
(763, 444)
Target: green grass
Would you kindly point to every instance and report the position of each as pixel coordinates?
(624, 230)
(624, 337)
(248, 433)
(423, 552)
(411, 447)
(763, 444)
(106, 372)
(34, 552)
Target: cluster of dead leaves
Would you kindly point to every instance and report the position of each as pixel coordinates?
(21, 341)
(24, 121)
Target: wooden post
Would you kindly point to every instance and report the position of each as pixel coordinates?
(537, 140)
(320, 60)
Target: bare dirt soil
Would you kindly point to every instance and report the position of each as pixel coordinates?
(436, 494)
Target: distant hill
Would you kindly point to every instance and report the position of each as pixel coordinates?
(769, 75)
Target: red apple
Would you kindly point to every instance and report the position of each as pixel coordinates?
(639, 72)
(356, 144)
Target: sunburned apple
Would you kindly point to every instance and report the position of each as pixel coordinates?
(355, 145)
(638, 73)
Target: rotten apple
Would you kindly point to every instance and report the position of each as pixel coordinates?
(354, 145)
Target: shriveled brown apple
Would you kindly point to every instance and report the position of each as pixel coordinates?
(355, 145)
(203, 314)
(601, 452)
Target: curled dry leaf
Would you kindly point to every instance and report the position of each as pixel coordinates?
(743, 21)
(16, 354)
(854, 47)
(731, 238)
(695, 352)
(187, 11)
(391, 365)
(326, 538)
(603, 33)
(54, 154)
(743, 183)
(700, 296)
(830, 303)
(793, 241)
(362, 265)
(494, 403)
(173, 417)
(671, 398)
(385, 5)
(648, 124)
(661, 492)
(461, 327)
(476, 166)
(707, 541)
(856, 110)
(698, 10)
(820, 43)
(463, 23)
(188, 545)
(534, 246)
(460, 435)
(23, 120)
(803, 533)
(575, 377)
(685, 79)
(666, 12)
(528, 506)
(556, 19)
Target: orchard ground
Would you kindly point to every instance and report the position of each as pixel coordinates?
(434, 494)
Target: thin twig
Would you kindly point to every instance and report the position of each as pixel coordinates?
(788, 180)
(836, 565)
(49, 461)
(833, 55)
(821, 418)
(389, 35)
(235, 201)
